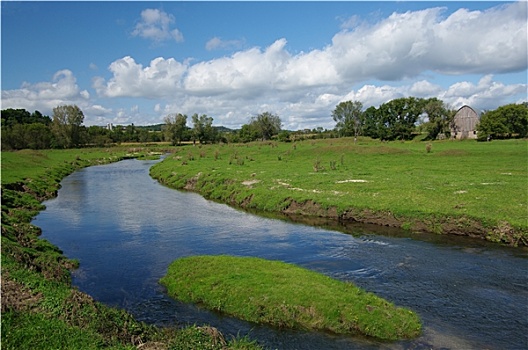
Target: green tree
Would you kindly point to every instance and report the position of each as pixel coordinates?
(38, 136)
(349, 118)
(266, 124)
(66, 126)
(373, 126)
(284, 136)
(203, 129)
(21, 129)
(143, 135)
(117, 135)
(248, 133)
(131, 133)
(399, 117)
(174, 129)
(13, 137)
(12, 116)
(506, 121)
(439, 115)
(98, 136)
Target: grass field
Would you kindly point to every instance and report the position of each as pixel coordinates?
(37, 164)
(286, 296)
(462, 187)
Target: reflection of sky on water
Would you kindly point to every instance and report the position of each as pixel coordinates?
(72, 206)
(126, 229)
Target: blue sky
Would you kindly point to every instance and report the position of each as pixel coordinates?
(136, 62)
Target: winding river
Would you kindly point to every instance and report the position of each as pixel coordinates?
(125, 229)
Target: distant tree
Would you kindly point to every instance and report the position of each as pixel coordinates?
(14, 137)
(266, 124)
(399, 117)
(21, 129)
(284, 136)
(66, 126)
(143, 135)
(174, 129)
(203, 129)
(248, 133)
(373, 126)
(12, 116)
(38, 136)
(506, 121)
(131, 133)
(349, 118)
(98, 136)
(439, 117)
(393, 120)
(37, 117)
(117, 134)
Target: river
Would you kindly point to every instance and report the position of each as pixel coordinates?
(125, 229)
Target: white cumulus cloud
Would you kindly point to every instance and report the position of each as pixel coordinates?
(404, 54)
(44, 96)
(162, 78)
(401, 46)
(156, 25)
(486, 94)
(407, 44)
(217, 43)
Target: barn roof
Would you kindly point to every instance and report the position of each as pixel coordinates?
(466, 107)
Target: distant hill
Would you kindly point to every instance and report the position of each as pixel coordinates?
(156, 127)
(223, 129)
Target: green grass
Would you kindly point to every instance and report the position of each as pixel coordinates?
(284, 295)
(35, 331)
(40, 309)
(457, 187)
(36, 164)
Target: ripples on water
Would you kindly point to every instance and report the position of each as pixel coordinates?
(126, 229)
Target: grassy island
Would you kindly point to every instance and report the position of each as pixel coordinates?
(469, 188)
(284, 295)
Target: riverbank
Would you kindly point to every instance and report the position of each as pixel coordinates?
(460, 188)
(40, 308)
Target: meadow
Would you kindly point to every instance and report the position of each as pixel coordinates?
(467, 187)
(447, 187)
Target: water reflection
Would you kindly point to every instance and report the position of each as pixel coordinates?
(126, 229)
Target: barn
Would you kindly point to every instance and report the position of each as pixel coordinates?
(464, 124)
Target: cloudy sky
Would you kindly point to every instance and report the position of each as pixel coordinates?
(136, 62)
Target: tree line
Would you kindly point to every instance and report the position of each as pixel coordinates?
(505, 122)
(394, 120)
(22, 129)
(398, 119)
(401, 118)
(263, 126)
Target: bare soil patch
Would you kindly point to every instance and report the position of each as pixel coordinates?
(310, 208)
(16, 296)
